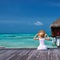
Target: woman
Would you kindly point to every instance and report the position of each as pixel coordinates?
(41, 37)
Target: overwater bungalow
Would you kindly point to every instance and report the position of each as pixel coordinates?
(55, 28)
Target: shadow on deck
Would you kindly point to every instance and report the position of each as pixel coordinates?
(29, 54)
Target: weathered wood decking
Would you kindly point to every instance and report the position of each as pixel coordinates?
(29, 54)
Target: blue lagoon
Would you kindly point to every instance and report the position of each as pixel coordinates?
(21, 41)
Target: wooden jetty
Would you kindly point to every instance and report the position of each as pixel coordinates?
(29, 54)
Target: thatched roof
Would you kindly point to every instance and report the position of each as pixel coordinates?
(56, 23)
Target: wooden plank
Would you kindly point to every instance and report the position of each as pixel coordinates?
(29, 54)
(5, 55)
(54, 54)
(58, 53)
(22, 55)
(18, 49)
(2, 51)
(42, 55)
(31, 51)
(50, 52)
(38, 55)
(15, 55)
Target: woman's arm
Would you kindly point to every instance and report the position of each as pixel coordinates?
(35, 37)
(47, 38)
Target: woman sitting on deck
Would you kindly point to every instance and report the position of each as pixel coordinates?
(41, 37)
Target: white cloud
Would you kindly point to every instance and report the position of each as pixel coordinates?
(38, 23)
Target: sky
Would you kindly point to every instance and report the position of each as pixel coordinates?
(28, 16)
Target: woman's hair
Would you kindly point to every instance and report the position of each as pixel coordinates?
(43, 33)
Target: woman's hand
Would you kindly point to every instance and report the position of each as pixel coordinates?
(35, 37)
(48, 38)
(45, 35)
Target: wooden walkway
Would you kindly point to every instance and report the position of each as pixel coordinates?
(29, 54)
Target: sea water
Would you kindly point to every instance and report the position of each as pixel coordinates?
(21, 41)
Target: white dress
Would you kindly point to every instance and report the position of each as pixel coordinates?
(42, 45)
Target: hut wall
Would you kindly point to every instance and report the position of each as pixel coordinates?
(55, 31)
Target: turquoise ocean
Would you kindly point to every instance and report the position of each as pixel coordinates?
(21, 41)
